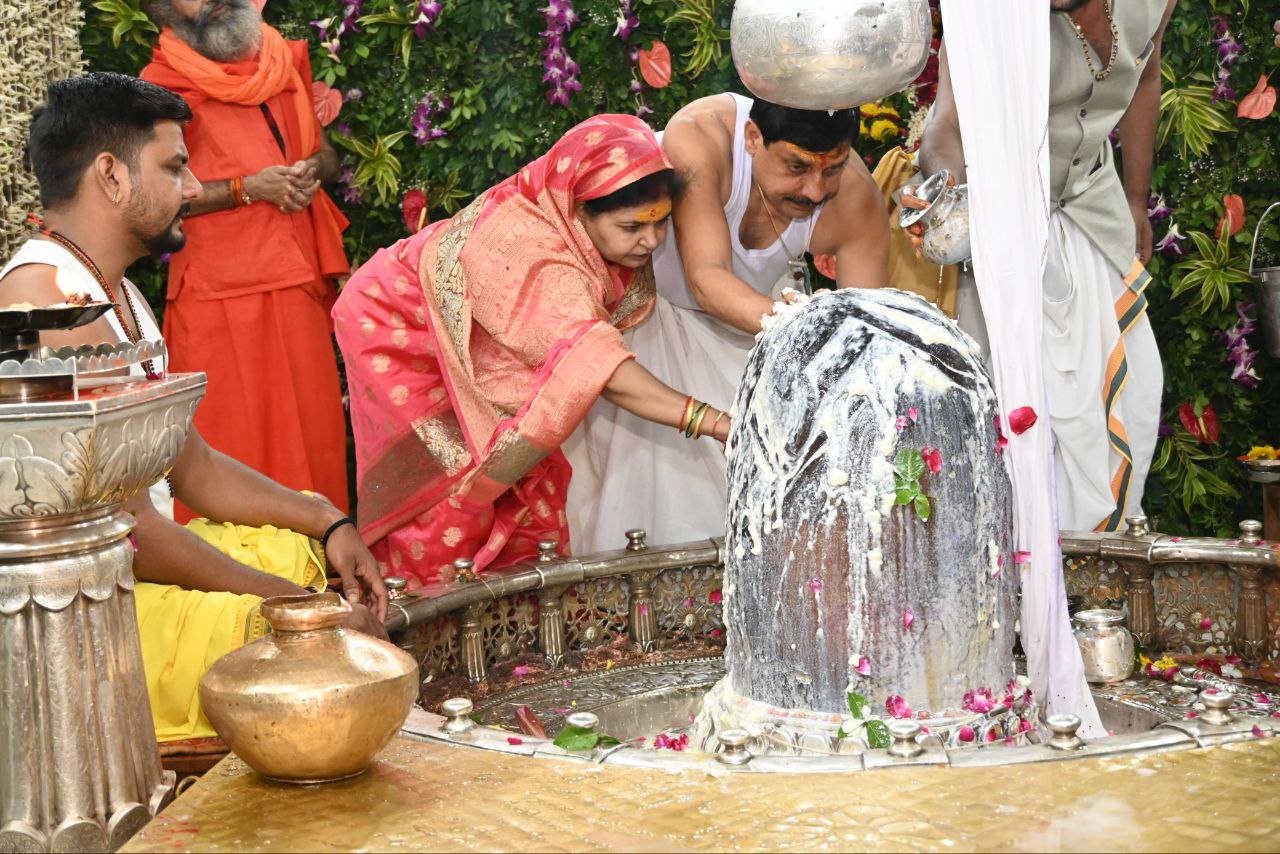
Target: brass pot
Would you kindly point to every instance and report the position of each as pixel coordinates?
(312, 702)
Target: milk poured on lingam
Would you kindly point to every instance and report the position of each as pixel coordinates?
(869, 572)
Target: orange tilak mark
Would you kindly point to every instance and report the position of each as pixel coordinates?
(658, 212)
(821, 159)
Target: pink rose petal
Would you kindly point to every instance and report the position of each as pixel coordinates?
(907, 619)
(715, 597)
(1259, 732)
(864, 667)
(1022, 558)
(689, 603)
(520, 670)
(897, 707)
(511, 739)
(1022, 419)
(902, 423)
(1206, 624)
(642, 609)
(815, 584)
(1175, 539)
(1234, 659)
(715, 633)
(1193, 714)
(913, 413)
(967, 733)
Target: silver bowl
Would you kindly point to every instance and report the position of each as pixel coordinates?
(829, 54)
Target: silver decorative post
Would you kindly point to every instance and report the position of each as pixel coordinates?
(551, 630)
(81, 768)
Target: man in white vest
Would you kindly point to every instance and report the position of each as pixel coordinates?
(765, 185)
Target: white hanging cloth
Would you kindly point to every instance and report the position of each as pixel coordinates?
(1000, 79)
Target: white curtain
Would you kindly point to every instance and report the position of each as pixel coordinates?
(1000, 77)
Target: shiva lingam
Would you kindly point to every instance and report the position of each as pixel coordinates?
(870, 523)
(829, 54)
(81, 767)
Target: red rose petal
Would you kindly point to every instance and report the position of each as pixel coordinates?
(1022, 419)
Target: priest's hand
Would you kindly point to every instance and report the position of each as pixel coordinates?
(361, 619)
(277, 185)
(362, 585)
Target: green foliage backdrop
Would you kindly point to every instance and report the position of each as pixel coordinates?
(477, 71)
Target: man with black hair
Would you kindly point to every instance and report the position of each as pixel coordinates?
(108, 152)
(766, 185)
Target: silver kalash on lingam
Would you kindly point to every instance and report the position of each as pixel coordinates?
(869, 573)
(79, 765)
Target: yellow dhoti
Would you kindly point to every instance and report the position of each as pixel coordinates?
(185, 631)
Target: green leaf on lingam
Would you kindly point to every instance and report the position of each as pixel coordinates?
(908, 465)
(607, 741)
(859, 707)
(877, 733)
(904, 495)
(924, 508)
(576, 738)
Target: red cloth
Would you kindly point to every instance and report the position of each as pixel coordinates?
(249, 296)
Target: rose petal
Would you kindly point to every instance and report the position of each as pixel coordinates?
(1259, 732)
(864, 667)
(1022, 419)
(1022, 558)
(511, 739)
(520, 670)
(815, 584)
(715, 597)
(913, 413)
(1206, 624)
(907, 619)
(967, 733)
(902, 423)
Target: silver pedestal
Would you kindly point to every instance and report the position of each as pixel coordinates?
(79, 765)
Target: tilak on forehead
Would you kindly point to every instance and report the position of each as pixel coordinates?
(821, 159)
(656, 212)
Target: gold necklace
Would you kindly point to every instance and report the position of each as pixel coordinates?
(795, 263)
(1099, 76)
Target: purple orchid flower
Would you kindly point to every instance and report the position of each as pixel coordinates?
(428, 11)
(1172, 243)
(1157, 209)
(424, 115)
(627, 21)
(561, 72)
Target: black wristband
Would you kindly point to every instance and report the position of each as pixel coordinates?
(345, 520)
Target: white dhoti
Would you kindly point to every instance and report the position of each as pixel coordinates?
(672, 487)
(1102, 375)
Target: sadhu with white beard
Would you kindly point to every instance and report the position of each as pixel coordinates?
(249, 297)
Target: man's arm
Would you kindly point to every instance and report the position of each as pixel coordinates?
(38, 284)
(214, 485)
(854, 227)
(1138, 140)
(702, 231)
(941, 146)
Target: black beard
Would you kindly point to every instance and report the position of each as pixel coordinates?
(172, 239)
(234, 37)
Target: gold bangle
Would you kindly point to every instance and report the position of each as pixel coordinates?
(689, 405)
(697, 422)
(688, 427)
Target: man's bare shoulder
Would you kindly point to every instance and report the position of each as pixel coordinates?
(31, 283)
(701, 131)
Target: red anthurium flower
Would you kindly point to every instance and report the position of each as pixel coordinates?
(1022, 419)
(327, 102)
(414, 208)
(1233, 218)
(1203, 426)
(655, 65)
(1259, 103)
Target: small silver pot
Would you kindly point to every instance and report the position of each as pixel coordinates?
(945, 220)
(1106, 646)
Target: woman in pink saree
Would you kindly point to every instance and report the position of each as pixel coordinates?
(475, 347)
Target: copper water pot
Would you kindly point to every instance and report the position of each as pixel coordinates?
(312, 701)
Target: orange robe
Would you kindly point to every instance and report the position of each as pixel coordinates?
(249, 297)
